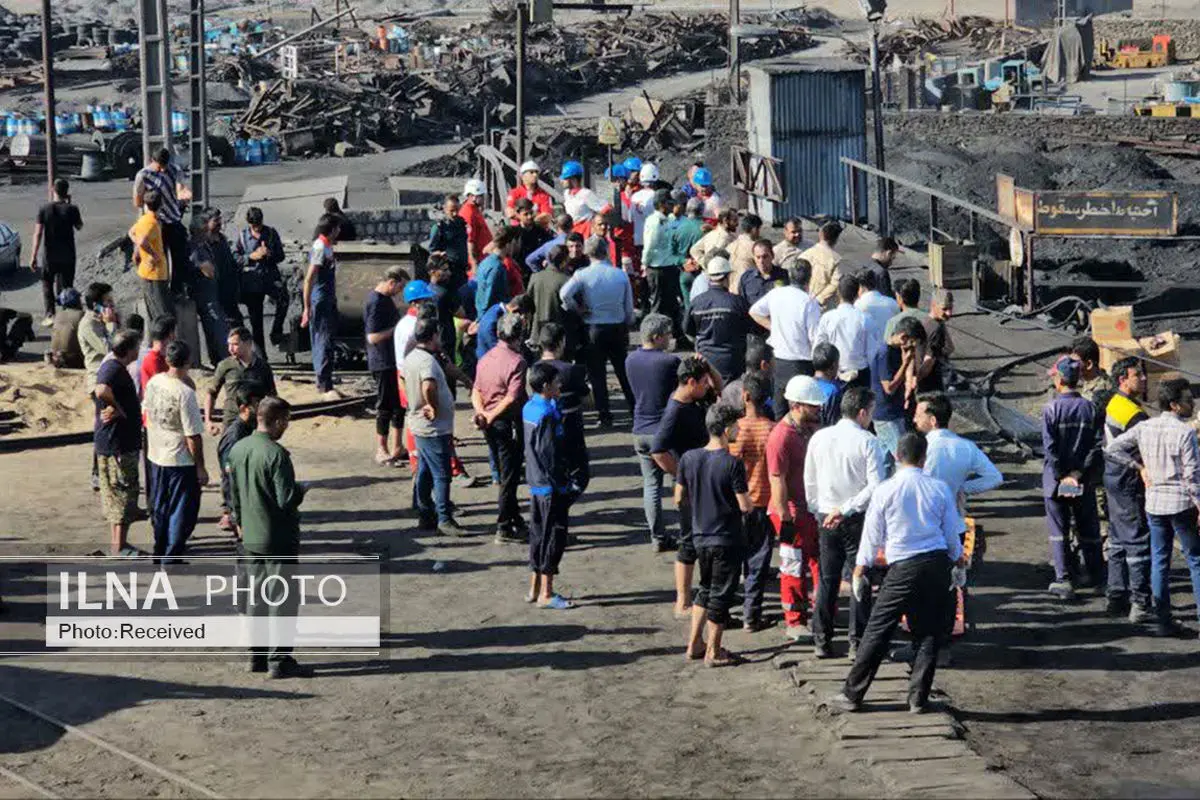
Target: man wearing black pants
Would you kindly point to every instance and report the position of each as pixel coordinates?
(843, 467)
(380, 317)
(915, 518)
(791, 317)
(166, 178)
(54, 239)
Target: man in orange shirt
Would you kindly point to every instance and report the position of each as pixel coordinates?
(543, 204)
(479, 235)
(151, 259)
(750, 445)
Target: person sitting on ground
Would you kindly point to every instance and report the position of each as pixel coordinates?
(118, 440)
(65, 352)
(547, 464)
(248, 396)
(244, 365)
(712, 485)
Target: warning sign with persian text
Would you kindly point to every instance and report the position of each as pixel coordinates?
(1106, 213)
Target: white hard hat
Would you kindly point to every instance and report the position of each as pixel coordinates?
(648, 173)
(718, 266)
(530, 166)
(804, 390)
(474, 186)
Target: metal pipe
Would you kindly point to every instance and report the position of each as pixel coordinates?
(735, 62)
(885, 226)
(305, 32)
(48, 88)
(522, 24)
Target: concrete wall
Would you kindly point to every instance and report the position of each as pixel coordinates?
(953, 127)
(393, 225)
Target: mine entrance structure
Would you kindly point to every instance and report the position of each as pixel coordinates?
(1019, 226)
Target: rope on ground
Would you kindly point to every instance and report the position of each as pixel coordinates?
(27, 784)
(112, 748)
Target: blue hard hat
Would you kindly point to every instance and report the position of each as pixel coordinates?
(416, 291)
(616, 171)
(633, 164)
(571, 169)
(702, 177)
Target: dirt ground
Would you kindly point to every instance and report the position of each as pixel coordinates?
(478, 694)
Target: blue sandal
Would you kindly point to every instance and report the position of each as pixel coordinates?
(557, 603)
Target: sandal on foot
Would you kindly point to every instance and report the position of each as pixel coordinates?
(557, 603)
(724, 659)
(688, 655)
(684, 614)
(531, 598)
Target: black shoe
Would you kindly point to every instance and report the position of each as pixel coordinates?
(1116, 606)
(427, 523)
(452, 528)
(257, 663)
(605, 423)
(289, 667)
(510, 536)
(1170, 629)
(665, 546)
(757, 624)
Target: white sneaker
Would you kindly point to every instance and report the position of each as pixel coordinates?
(47, 322)
(798, 633)
(332, 396)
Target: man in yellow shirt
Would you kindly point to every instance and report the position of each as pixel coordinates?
(151, 259)
(825, 272)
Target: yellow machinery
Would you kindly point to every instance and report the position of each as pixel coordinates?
(1136, 53)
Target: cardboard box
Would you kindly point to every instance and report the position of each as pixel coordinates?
(1113, 351)
(1163, 347)
(1114, 323)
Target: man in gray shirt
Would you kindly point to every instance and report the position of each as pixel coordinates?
(431, 420)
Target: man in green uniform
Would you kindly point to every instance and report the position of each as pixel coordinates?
(684, 234)
(266, 501)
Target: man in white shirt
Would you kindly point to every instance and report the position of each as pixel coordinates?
(957, 461)
(825, 260)
(845, 327)
(175, 453)
(915, 520)
(843, 467)
(878, 309)
(641, 203)
(791, 317)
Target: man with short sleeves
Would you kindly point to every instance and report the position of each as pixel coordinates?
(914, 519)
(166, 179)
(150, 256)
(681, 429)
(791, 316)
(652, 377)
(54, 240)
(320, 303)
(380, 318)
(431, 420)
(843, 467)
(498, 397)
(118, 439)
(174, 436)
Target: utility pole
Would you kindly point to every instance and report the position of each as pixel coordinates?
(522, 25)
(881, 186)
(48, 88)
(735, 61)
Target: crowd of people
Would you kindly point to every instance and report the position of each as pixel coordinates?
(797, 401)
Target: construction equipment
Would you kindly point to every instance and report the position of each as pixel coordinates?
(1158, 51)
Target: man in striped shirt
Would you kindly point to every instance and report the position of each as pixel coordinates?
(1170, 467)
(167, 180)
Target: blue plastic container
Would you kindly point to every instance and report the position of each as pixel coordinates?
(270, 150)
(254, 152)
(239, 151)
(102, 118)
(12, 126)
(119, 120)
(179, 122)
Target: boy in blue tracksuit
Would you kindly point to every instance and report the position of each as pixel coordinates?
(547, 469)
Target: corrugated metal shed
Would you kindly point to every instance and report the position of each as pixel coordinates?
(809, 114)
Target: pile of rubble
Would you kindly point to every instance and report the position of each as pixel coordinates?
(967, 34)
(448, 82)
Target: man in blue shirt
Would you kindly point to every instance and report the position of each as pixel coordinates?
(320, 312)
(547, 465)
(915, 519)
(491, 280)
(720, 321)
(602, 295)
(1072, 443)
(536, 260)
(487, 337)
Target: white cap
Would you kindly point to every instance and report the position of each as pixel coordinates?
(804, 390)
(474, 186)
(718, 266)
(530, 166)
(649, 173)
